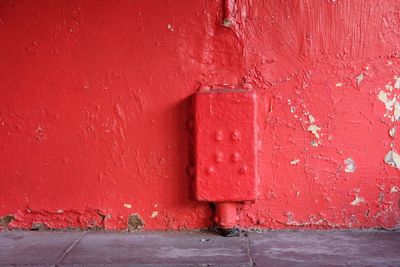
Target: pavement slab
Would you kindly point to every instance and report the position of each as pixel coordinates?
(308, 248)
(34, 248)
(275, 248)
(166, 248)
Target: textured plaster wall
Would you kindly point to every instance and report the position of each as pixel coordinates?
(94, 110)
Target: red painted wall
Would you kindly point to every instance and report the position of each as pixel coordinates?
(94, 110)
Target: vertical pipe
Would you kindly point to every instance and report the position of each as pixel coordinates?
(228, 8)
(225, 215)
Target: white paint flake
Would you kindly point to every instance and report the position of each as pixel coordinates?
(350, 165)
(393, 159)
(339, 84)
(397, 111)
(359, 78)
(169, 26)
(394, 189)
(311, 118)
(392, 131)
(314, 130)
(389, 87)
(357, 201)
(294, 162)
(389, 103)
(397, 83)
(127, 205)
(154, 214)
(392, 105)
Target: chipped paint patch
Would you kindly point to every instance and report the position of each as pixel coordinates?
(339, 84)
(169, 27)
(397, 111)
(389, 87)
(393, 159)
(392, 131)
(389, 103)
(127, 205)
(294, 162)
(314, 143)
(135, 222)
(154, 214)
(307, 120)
(5, 221)
(350, 165)
(390, 99)
(397, 83)
(314, 130)
(394, 189)
(381, 196)
(357, 201)
(311, 118)
(359, 78)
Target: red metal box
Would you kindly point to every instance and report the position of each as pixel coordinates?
(225, 143)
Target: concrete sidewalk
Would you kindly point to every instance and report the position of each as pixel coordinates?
(363, 248)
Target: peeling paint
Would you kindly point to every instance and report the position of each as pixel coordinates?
(397, 82)
(381, 196)
(394, 189)
(350, 165)
(127, 205)
(154, 214)
(392, 131)
(397, 111)
(135, 222)
(5, 221)
(311, 118)
(359, 78)
(121, 127)
(393, 159)
(357, 201)
(314, 143)
(314, 130)
(39, 227)
(67, 219)
(339, 84)
(389, 103)
(294, 162)
(390, 99)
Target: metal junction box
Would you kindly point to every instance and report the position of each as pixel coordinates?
(225, 143)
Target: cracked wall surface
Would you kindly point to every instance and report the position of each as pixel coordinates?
(94, 110)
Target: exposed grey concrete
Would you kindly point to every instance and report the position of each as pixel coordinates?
(199, 249)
